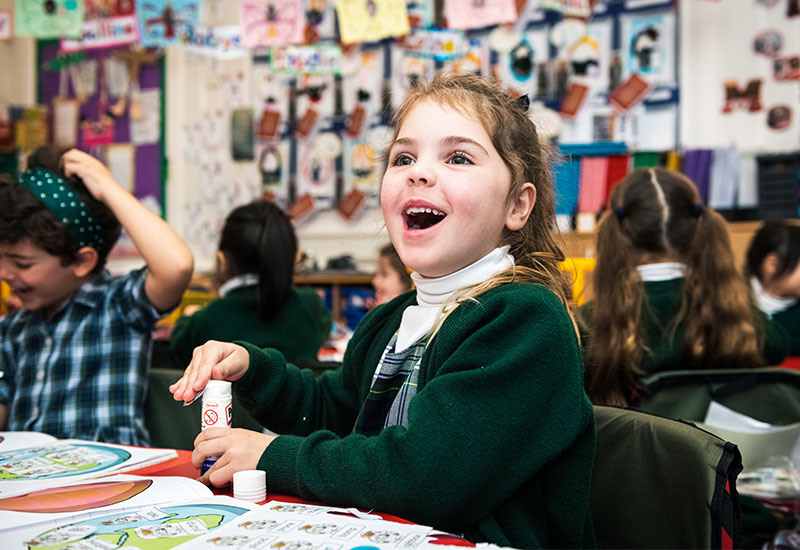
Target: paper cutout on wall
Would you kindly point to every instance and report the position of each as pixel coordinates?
(242, 134)
(146, 129)
(441, 44)
(6, 25)
(320, 21)
(120, 162)
(472, 15)
(51, 19)
(315, 103)
(105, 32)
(322, 59)
(407, 70)
(162, 22)
(361, 92)
(271, 22)
(747, 97)
(475, 59)
(373, 20)
(648, 45)
(31, 130)
(629, 93)
(219, 42)
(316, 169)
(65, 122)
(273, 167)
(420, 13)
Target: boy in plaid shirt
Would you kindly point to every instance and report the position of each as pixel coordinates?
(74, 357)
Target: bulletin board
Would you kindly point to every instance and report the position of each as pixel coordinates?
(132, 146)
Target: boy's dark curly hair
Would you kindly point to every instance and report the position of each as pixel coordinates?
(24, 216)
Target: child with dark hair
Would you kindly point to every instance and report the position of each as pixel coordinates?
(773, 263)
(257, 304)
(667, 293)
(74, 357)
(391, 277)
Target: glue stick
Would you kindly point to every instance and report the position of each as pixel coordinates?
(217, 411)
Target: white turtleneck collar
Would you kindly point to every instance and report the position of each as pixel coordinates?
(433, 293)
(769, 303)
(246, 279)
(662, 271)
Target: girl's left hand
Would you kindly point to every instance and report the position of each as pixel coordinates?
(238, 450)
(94, 173)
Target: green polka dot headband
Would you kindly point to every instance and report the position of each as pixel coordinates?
(65, 205)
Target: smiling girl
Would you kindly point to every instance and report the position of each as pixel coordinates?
(459, 405)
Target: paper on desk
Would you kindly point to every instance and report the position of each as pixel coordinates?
(10, 441)
(758, 441)
(93, 498)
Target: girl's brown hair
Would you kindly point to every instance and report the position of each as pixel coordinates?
(514, 136)
(656, 215)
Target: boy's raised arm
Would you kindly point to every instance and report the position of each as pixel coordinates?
(169, 260)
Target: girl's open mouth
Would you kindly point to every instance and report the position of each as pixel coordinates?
(417, 217)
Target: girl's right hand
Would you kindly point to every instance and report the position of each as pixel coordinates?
(211, 361)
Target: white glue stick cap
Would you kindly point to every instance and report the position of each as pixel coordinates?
(217, 389)
(249, 481)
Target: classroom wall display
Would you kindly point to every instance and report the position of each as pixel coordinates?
(105, 25)
(107, 110)
(163, 22)
(268, 22)
(743, 65)
(6, 25)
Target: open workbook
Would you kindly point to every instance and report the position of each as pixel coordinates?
(30, 460)
(161, 513)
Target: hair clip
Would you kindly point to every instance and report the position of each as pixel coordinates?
(697, 209)
(524, 102)
(621, 212)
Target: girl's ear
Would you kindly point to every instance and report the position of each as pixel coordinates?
(86, 261)
(222, 266)
(521, 208)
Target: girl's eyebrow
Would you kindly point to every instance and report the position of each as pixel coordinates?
(449, 140)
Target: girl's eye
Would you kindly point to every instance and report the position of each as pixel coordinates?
(459, 158)
(24, 266)
(402, 160)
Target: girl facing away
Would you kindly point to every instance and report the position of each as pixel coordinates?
(773, 264)
(667, 293)
(460, 404)
(257, 302)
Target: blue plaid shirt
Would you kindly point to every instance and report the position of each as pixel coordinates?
(83, 373)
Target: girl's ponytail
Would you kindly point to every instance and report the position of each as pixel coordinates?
(616, 347)
(721, 325)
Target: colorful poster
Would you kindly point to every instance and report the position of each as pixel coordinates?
(106, 32)
(163, 22)
(322, 59)
(648, 47)
(361, 21)
(472, 15)
(271, 22)
(218, 42)
(52, 19)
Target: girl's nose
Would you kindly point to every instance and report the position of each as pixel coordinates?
(421, 174)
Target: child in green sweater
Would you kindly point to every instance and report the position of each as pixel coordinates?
(667, 293)
(773, 263)
(257, 302)
(459, 404)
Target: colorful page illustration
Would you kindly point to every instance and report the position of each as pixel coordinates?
(287, 525)
(271, 22)
(66, 461)
(93, 498)
(158, 527)
(48, 19)
(10, 441)
(163, 22)
(361, 21)
(470, 15)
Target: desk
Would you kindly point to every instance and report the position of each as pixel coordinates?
(182, 466)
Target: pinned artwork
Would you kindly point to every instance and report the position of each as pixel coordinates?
(768, 43)
(273, 168)
(97, 132)
(120, 162)
(316, 169)
(475, 59)
(420, 13)
(474, 14)
(48, 19)
(787, 68)
(242, 134)
(105, 25)
(576, 95)
(6, 25)
(315, 103)
(407, 70)
(520, 65)
(320, 21)
(748, 97)
(65, 122)
(362, 91)
(648, 44)
(271, 22)
(779, 117)
(629, 93)
(373, 20)
(162, 22)
(361, 163)
(145, 129)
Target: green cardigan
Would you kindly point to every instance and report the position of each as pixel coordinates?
(500, 441)
(662, 304)
(790, 320)
(298, 330)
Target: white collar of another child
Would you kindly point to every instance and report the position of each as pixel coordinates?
(663, 271)
(769, 303)
(433, 293)
(246, 279)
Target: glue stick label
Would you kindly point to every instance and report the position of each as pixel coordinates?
(217, 412)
